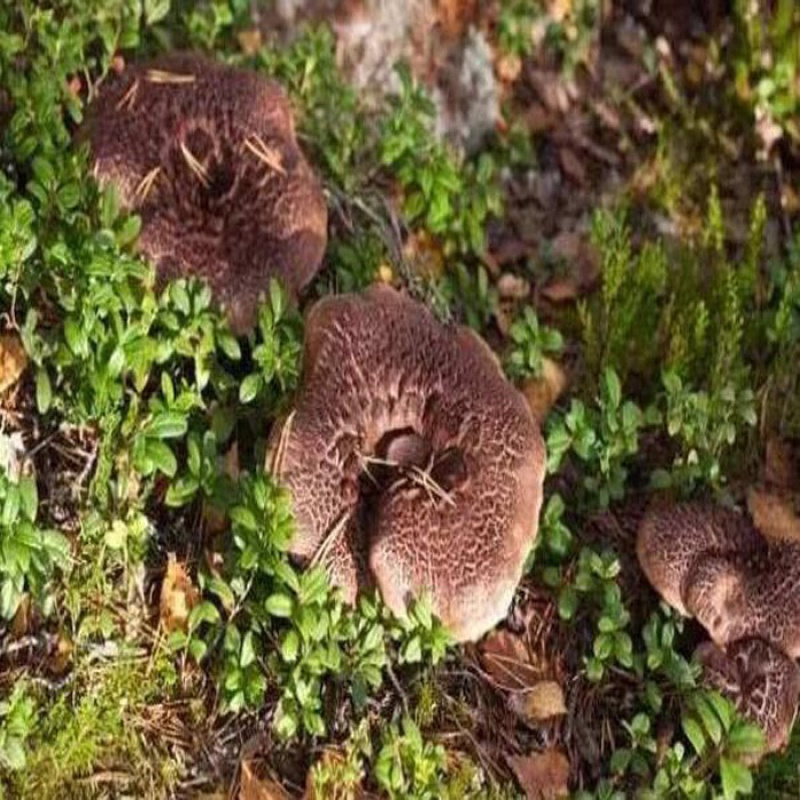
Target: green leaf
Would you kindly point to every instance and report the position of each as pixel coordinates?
(44, 391)
(694, 733)
(249, 387)
(167, 425)
(736, 778)
(279, 605)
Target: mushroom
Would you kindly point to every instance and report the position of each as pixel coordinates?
(206, 154)
(415, 467)
(711, 563)
(761, 681)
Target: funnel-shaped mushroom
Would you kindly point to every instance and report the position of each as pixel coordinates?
(207, 156)
(414, 465)
(761, 681)
(712, 564)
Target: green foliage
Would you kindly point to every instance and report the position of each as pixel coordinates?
(407, 767)
(98, 724)
(531, 342)
(628, 304)
(603, 438)
(329, 114)
(766, 60)
(17, 719)
(593, 588)
(705, 425)
(261, 620)
(522, 22)
(29, 555)
(450, 197)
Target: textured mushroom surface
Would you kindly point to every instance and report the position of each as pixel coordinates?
(761, 681)
(206, 154)
(414, 465)
(711, 563)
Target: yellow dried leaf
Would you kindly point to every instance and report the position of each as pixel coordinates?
(178, 596)
(542, 776)
(542, 701)
(13, 360)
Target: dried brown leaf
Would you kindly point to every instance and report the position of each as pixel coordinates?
(507, 661)
(542, 776)
(572, 165)
(254, 787)
(178, 596)
(542, 701)
(13, 360)
(543, 393)
(780, 466)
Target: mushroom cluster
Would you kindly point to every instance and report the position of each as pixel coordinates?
(415, 467)
(206, 154)
(711, 563)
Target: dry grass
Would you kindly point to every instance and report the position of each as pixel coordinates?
(162, 76)
(195, 166)
(265, 154)
(144, 186)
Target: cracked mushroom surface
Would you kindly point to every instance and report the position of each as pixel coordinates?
(206, 154)
(761, 681)
(414, 466)
(711, 563)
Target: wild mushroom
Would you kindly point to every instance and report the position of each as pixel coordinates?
(414, 465)
(761, 681)
(711, 563)
(206, 154)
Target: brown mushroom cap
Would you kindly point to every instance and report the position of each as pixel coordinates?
(761, 681)
(414, 465)
(672, 538)
(711, 563)
(206, 154)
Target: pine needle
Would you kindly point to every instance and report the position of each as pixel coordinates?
(325, 547)
(256, 145)
(127, 100)
(145, 185)
(275, 465)
(162, 76)
(195, 166)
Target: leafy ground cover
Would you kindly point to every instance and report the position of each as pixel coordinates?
(625, 240)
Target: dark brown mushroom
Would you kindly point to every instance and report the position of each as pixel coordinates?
(711, 563)
(206, 154)
(761, 681)
(414, 465)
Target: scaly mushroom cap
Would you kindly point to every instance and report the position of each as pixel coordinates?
(206, 154)
(761, 681)
(711, 563)
(671, 539)
(414, 465)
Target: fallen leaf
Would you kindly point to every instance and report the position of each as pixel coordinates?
(513, 287)
(508, 67)
(425, 254)
(543, 393)
(543, 701)
(61, 658)
(506, 659)
(539, 119)
(559, 10)
(255, 788)
(542, 776)
(250, 41)
(178, 596)
(780, 466)
(13, 360)
(572, 165)
(774, 515)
